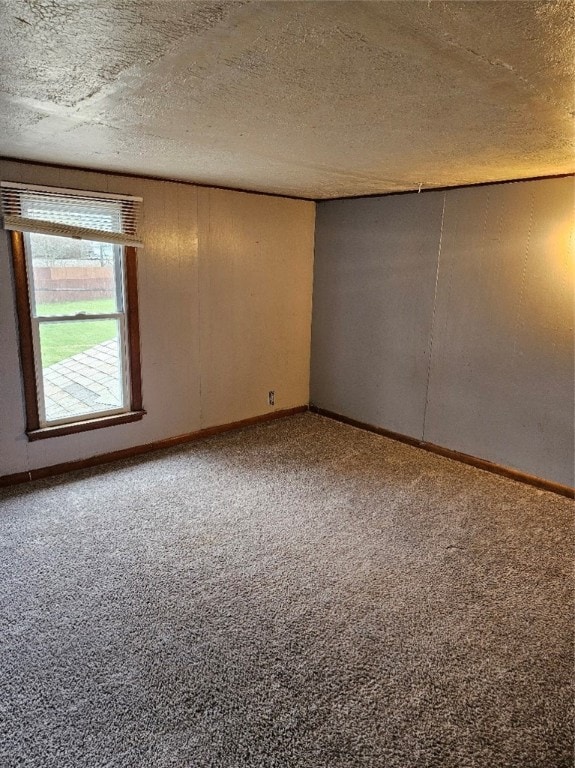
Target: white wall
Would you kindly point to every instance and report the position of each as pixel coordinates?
(225, 285)
(448, 317)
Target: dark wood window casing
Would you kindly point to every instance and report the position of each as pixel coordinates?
(28, 366)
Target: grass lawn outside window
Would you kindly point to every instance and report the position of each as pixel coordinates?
(63, 340)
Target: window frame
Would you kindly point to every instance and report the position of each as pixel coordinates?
(30, 374)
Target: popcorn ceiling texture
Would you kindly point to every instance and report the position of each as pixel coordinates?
(313, 99)
(300, 594)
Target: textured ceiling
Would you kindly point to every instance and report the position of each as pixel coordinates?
(313, 99)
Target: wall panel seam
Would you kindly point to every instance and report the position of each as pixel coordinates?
(433, 313)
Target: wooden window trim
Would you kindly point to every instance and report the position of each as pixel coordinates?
(84, 426)
(25, 332)
(28, 366)
(131, 284)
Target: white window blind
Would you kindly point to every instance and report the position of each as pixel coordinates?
(73, 213)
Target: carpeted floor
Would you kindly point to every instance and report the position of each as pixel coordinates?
(299, 594)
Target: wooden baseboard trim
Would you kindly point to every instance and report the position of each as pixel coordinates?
(465, 458)
(127, 453)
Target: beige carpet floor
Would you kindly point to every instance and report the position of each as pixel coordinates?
(299, 594)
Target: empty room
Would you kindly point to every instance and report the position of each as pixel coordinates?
(287, 378)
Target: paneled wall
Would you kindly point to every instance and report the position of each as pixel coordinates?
(225, 283)
(445, 316)
(448, 317)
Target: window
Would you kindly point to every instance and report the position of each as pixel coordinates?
(75, 274)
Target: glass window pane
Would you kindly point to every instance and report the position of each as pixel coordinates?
(81, 367)
(72, 276)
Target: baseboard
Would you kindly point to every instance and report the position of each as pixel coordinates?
(465, 458)
(127, 453)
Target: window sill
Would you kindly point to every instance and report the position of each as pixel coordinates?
(84, 426)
